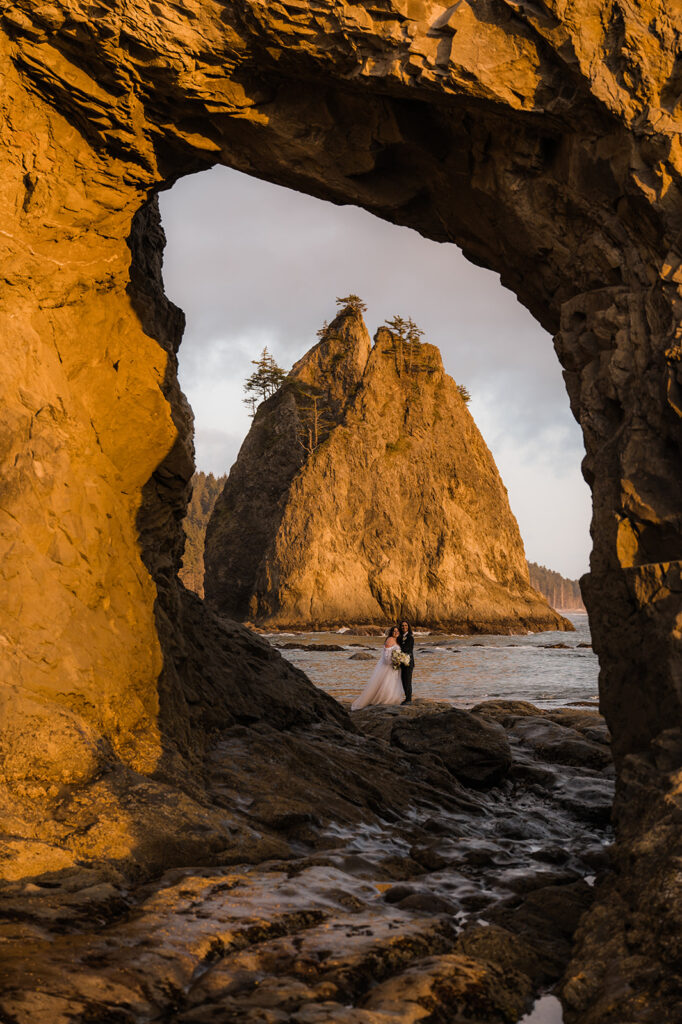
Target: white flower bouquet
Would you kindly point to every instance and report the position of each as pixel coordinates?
(398, 658)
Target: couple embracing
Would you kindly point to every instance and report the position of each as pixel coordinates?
(391, 680)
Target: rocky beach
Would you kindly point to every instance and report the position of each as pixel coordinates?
(402, 864)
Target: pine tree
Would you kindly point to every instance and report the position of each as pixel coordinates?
(315, 424)
(399, 328)
(413, 334)
(251, 401)
(352, 303)
(265, 381)
(464, 392)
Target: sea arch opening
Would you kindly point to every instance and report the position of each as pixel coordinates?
(547, 203)
(254, 264)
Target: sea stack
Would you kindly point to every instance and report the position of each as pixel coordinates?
(364, 492)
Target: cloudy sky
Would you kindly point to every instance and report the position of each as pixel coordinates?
(255, 265)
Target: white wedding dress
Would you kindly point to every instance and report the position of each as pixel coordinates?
(384, 686)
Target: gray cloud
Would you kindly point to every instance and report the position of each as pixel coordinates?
(253, 264)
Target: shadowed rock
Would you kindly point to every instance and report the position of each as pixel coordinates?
(342, 870)
(475, 751)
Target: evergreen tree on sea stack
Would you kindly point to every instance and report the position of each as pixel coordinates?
(267, 378)
(407, 338)
(406, 335)
(353, 303)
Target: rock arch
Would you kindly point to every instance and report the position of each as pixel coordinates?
(544, 139)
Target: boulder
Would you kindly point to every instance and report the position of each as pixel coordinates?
(472, 749)
(587, 723)
(559, 744)
(500, 946)
(378, 720)
(545, 920)
(506, 711)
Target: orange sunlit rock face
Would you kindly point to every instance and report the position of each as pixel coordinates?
(81, 435)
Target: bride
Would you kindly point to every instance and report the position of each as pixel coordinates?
(384, 686)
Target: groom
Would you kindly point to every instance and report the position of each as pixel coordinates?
(406, 641)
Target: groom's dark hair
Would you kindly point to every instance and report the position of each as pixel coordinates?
(409, 627)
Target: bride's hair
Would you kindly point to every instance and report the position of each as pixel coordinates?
(390, 630)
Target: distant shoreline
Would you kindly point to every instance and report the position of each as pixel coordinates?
(379, 629)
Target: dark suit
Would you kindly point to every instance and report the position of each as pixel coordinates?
(406, 642)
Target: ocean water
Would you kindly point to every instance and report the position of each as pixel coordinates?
(464, 670)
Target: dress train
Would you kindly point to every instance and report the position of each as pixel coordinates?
(384, 685)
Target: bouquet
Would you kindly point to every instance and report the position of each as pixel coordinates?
(398, 658)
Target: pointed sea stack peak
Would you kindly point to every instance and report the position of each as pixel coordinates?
(411, 359)
(336, 364)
